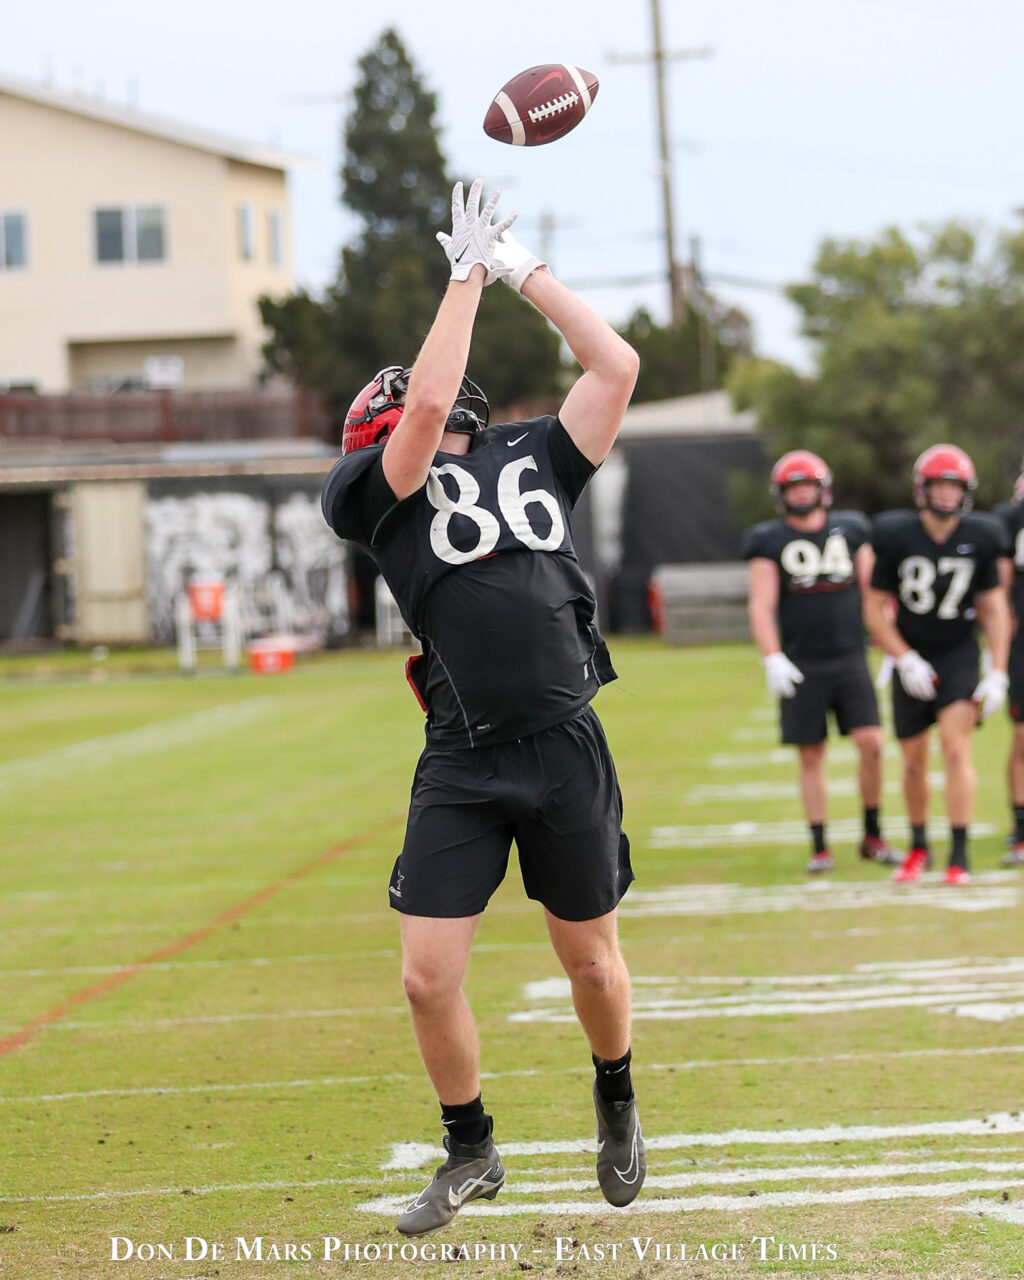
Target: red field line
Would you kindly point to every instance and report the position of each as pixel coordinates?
(116, 979)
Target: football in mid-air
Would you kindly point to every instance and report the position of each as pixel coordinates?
(540, 105)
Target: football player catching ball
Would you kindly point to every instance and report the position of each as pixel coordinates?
(469, 525)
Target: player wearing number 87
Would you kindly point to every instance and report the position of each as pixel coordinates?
(469, 524)
(940, 566)
(807, 570)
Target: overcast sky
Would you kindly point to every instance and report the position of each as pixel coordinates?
(812, 117)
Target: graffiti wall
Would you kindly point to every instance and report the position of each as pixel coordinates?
(267, 539)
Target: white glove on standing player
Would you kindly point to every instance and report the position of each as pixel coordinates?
(782, 675)
(473, 239)
(512, 262)
(917, 675)
(990, 694)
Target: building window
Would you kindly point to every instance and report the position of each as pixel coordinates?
(246, 233)
(149, 233)
(275, 227)
(134, 233)
(13, 241)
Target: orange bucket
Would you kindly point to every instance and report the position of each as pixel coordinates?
(271, 657)
(206, 598)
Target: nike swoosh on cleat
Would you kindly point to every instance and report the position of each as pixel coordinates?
(510, 443)
(634, 1162)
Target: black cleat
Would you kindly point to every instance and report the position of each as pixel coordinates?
(470, 1173)
(621, 1155)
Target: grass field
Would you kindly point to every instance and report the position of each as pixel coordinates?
(204, 1033)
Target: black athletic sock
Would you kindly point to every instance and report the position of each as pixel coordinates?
(958, 847)
(1018, 822)
(613, 1080)
(818, 836)
(919, 837)
(467, 1122)
(871, 827)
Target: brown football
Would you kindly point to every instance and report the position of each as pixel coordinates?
(540, 105)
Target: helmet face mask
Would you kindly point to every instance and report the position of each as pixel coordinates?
(378, 408)
(944, 462)
(797, 468)
(470, 412)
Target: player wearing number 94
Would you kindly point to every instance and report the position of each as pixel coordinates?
(941, 565)
(807, 572)
(470, 527)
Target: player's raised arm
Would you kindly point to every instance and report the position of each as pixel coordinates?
(437, 373)
(592, 411)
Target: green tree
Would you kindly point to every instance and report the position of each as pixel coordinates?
(377, 311)
(694, 355)
(917, 340)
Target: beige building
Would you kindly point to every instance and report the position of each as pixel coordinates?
(132, 249)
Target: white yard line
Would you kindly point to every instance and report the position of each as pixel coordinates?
(414, 1155)
(693, 1064)
(749, 792)
(790, 831)
(97, 753)
(390, 1205)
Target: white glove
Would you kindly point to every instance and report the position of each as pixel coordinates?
(884, 678)
(473, 239)
(782, 676)
(512, 262)
(917, 676)
(990, 694)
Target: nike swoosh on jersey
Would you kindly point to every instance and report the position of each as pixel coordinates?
(510, 443)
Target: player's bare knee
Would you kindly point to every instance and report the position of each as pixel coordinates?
(425, 988)
(956, 755)
(869, 744)
(597, 973)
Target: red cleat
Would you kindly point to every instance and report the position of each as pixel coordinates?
(1014, 858)
(916, 861)
(956, 875)
(819, 862)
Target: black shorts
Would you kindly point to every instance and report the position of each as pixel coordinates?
(1016, 671)
(555, 793)
(958, 674)
(840, 685)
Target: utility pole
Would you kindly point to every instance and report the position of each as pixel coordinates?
(674, 273)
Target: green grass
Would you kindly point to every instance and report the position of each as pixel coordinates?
(252, 1082)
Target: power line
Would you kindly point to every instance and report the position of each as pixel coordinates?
(656, 277)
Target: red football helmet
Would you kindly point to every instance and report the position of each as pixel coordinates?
(374, 413)
(944, 462)
(801, 467)
(376, 410)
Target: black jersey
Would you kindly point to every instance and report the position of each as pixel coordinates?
(1012, 516)
(819, 611)
(935, 583)
(481, 564)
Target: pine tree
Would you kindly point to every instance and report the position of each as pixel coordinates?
(390, 280)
